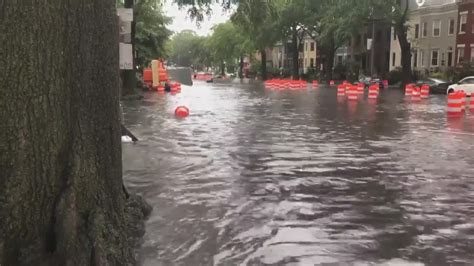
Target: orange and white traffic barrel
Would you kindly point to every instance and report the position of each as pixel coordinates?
(315, 83)
(471, 103)
(416, 96)
(408, 89)
(360, 88)
(331, 82)
(455, 104)
(352, 94)
(341, 90)
(463, 98)
(425, 91)
(373, 91)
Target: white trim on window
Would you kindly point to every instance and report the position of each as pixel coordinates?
(424, 29)
(463, 13)
(432, 57)
(461, 45)
(462, 17)
(453, 22)
(436, 28)
(422, 58)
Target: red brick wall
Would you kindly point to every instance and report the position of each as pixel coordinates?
(467, 38)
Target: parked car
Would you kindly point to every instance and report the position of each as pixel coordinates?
(466, 84)
(369, 81)
(436, 85)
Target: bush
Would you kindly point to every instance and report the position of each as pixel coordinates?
(395, 76)
(255, 66)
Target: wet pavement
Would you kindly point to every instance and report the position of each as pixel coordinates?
(260, 177)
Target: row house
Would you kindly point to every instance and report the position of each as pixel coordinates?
(465, 32)
(282, 54)
(441, 34)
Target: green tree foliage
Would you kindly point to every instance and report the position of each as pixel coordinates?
(188, 49)
(225, 45)
(151, 32)
(256, 21)
(332, 23)
(396, 12)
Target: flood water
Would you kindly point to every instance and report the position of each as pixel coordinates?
(260, 177)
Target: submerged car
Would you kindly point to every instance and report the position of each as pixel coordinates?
(437, 86)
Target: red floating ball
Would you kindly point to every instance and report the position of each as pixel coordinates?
(181, 111)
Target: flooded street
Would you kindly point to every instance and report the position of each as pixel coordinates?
(261, 177)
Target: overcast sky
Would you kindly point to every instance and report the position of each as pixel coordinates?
(181, 21)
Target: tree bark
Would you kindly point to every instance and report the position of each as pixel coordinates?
(62, 200)
(263, 66)
(295, 54)
(405, 53)
(241, 67)
(129, 78)
(223, 68)
(329, 63)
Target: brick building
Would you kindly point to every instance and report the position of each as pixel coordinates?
(465, 32)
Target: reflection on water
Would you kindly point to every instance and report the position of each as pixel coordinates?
(259, 177)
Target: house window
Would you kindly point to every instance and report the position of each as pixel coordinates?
(450, 58)
(305, 62)
(460, 55)
(436, 28)
(462, 23)
(417, 31)
(434, 58)
(339, 59)
(312, 46)
(424, 29)
(394, 56)
(451, 26)
(306, 46)
(415, 59)
(422, 58)
(311, 62)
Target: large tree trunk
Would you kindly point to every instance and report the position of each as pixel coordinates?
(129, 78)
(329, 63)
(241, 67)
(405, 53)
(62, 200)
(263, 66)
(223, 68)
(295, 54)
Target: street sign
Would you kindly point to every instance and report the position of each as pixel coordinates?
(126, 56)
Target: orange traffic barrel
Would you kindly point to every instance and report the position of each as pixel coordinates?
(331, 82)
(360, 88)
(315, 83)
(463, 99)
(471, 103)
(341, 90)
(425, 91)
(455, 104)
(408, 89)
(147, 75)
(352, 93)
(416, 96)
(373, 91)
